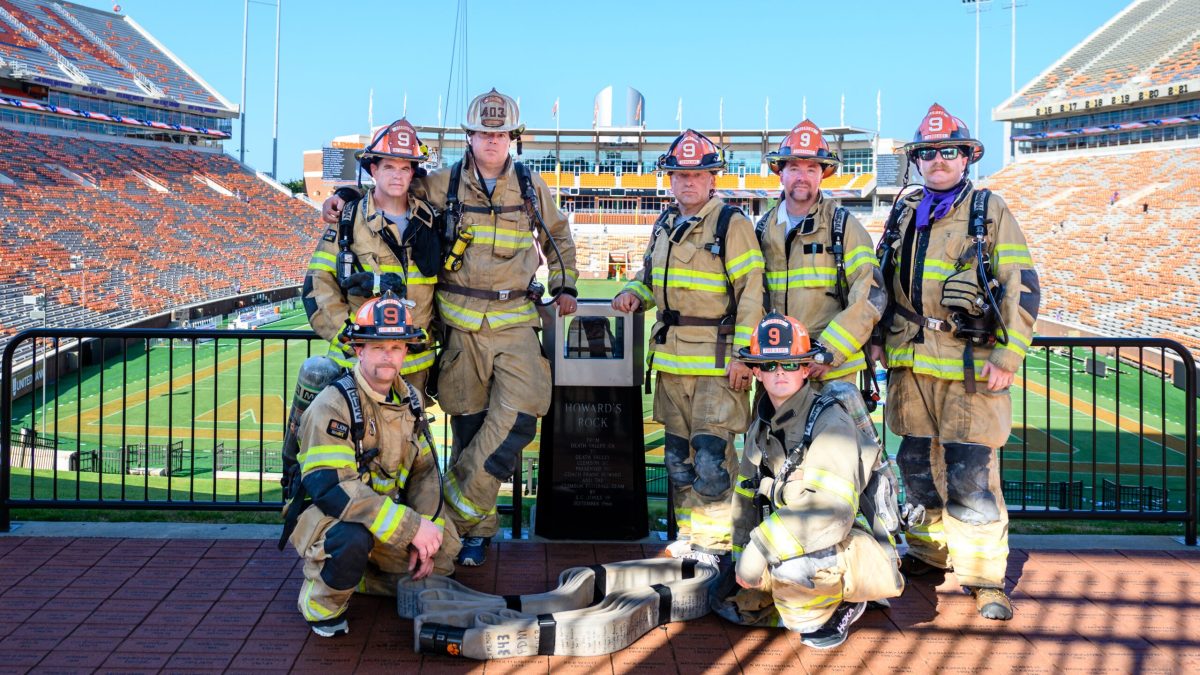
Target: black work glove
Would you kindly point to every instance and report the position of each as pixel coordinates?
(362, 284)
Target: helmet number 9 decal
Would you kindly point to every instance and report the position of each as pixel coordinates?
(805, 139)
(391, 315)
(403, 139)
(935, 123)
(688, 150)
(773, 337)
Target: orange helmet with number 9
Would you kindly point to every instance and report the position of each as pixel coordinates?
(383, 318)
(804, 141)
(782, 338)
(941, 129)
(692, 151)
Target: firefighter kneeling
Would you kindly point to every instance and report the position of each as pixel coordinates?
(815, 505)
(369, 499)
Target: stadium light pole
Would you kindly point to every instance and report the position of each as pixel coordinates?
(245, 41)
(275, 118)
(978, 4)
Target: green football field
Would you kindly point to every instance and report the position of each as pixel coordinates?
(231, 397)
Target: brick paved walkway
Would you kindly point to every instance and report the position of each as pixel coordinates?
(76, 605)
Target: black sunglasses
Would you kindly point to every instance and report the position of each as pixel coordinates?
(950, 152)
(769, 366)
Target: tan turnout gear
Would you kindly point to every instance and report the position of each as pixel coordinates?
(956, 514)
(364, 511)
(797, 522)
(494, 380)
(802, 281)
(707, 305)
(330, 309)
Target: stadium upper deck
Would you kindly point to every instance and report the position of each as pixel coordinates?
(1135, 80)
(71, 67)
(612, 170)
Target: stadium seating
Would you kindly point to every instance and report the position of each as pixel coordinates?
(65, 26)
(643, 181)
(1124, 267)
(142, 251)
(1150, 40)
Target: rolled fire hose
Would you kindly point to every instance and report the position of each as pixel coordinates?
(594, 610)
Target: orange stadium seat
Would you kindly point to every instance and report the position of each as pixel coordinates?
(597, 180)
(1100, 260)
(143, 251)
(757, 182)
(644, 181)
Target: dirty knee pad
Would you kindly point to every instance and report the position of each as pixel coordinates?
(348, 546)
(917, 472)
(968, 467)
(465, 427)
(503, 462)
(676, 452)
(712, 478)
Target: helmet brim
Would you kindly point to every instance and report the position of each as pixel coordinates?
(776, 162)
(809, 357)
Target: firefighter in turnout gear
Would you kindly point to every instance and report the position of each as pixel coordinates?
(499, 223)
(964, 298)
(703, 273)
(820, 262)
(815, 504)
(370, 497)
(387, 242)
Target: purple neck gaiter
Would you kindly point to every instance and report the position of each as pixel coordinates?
(935, 204)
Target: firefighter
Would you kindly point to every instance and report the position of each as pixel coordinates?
(387, 242)
(500, 222)
(703, 272)
(808, 488)
(370, 486)
(964, 296)
(820, 261)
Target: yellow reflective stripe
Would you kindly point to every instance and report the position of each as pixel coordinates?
(691, 280)
(1017, 343)
(850, 366)
(1013, 254)
(859, 256)
(821, 479)
(816, 602)
(394, 269)
(938, 270)
(934, 534)
(745, 492)
(801, 277)
(332, 456)
(713, 527)
(741, 336)
(685, 365)
(737, 549)
(382, 485)
(311, 609)
(459, 317)
(978, 549)
(501, 237)
(840, 339)
(470, 512)
(683, 518)
(783, 542)
(423, 447)
(402, 476)
(948, 369)
(387, 520)
(744, 264)
(414, 364)
(642, 291)
(524, 313)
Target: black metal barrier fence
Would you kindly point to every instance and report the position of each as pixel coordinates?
(194, 419)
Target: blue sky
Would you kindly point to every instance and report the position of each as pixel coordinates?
(333, 53)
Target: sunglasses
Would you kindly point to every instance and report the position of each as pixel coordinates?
(927, 154)
(769, 366)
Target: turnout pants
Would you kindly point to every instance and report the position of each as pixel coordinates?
(863, 571)
(949, 461)
(341, 558)
(494, 384)
(701, 415)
